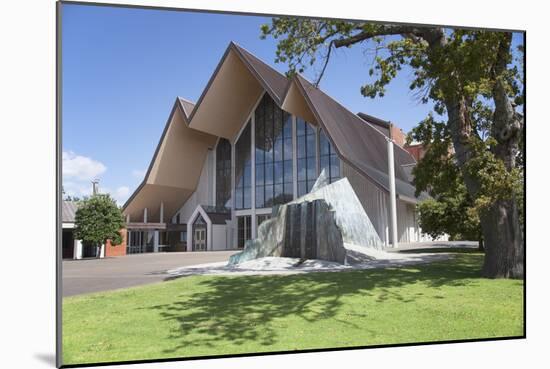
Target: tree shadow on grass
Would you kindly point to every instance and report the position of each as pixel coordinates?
(246, 309)
(437, 250)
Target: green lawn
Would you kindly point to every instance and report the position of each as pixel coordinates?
(212, 315)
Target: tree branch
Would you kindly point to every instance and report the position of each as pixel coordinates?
(327, 58)
(432, 35)
(506, 125)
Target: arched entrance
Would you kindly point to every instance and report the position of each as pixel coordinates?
(199, 234)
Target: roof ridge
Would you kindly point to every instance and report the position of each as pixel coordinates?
(186, 100)
(187, 114)
(255, 57)
(245, 55)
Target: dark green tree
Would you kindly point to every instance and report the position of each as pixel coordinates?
(462, 72)
(451, 210)
(97, 220)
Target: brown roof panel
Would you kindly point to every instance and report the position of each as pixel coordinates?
(381, 125)
(357, 142)
(275, 82)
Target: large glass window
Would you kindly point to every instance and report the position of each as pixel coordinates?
(243, 169)
(329, 160)
(273, 150)
(244, 230)
(305, 156)
(262, 218)
(163, 239)
(140, 241)
(223, 173)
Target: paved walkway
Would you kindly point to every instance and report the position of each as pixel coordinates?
(94, 275)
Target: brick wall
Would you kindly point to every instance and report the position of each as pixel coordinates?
(118, 250)
(417, 151)
(397, 135)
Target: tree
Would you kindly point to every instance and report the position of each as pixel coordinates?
(97, 220)
(451, 209)
(464, 73)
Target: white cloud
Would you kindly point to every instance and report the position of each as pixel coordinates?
(75, 189)
(120, 194)
(81, 167)
(78, 173)
(139, 173)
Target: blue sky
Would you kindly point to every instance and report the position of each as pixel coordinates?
(123, 68)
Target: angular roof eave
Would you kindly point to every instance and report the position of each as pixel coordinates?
(183, 105)
(271, 80)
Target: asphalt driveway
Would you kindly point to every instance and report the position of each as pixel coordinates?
(94, 275)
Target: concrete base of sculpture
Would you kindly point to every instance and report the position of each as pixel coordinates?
(317, 225)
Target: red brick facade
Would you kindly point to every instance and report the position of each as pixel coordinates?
(417, 151)
(118, 250)
(397, 135)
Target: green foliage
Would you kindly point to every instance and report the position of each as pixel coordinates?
(448, 66)
(309, 36)
(495, 182)
(463, 67)
(98, 219)
(450, 215)
(451, 211)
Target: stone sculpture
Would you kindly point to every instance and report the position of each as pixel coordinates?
(318, 225)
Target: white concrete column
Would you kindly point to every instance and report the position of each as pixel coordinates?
(161, 212)
(393, 202)
(77, 254)
(209, 232)
(233, 201)
(156, 241)
(102, 251)
(189, 236)
(145, 215)
(214, 171)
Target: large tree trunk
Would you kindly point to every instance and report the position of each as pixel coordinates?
(504, 256)
(503, 238)
(503, 241)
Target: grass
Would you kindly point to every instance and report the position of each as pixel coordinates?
(214, 315)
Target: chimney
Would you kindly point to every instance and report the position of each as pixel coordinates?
(95, 187)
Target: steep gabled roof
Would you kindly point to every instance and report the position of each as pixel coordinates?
(164, 180)
(236, 84)
(357, 142)
(274, 82)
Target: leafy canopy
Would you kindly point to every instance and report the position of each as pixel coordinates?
(98, 219)
(446, 65)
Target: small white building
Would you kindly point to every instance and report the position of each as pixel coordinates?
(72, 248)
